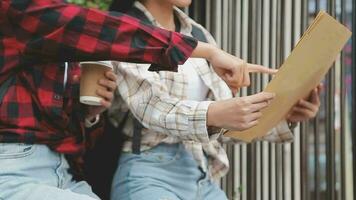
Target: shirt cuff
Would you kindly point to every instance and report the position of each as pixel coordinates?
(178, 51)
(281, 133)
(198, 121)
(191, 124)
(89, 124)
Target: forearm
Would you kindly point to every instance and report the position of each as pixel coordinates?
(64, 32)
(204, 50)
(149, 99)
(185, 120)
(171, 116)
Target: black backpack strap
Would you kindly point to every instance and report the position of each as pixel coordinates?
(136, 139)
(137, 132)
(137, 126)
(198, 34)
(137, 13)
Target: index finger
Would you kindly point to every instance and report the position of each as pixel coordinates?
(315, 97)
(260, 97)
(260, 69)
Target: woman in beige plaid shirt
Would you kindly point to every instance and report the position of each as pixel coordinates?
(180, 153)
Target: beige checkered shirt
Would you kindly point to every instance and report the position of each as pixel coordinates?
(159, 101)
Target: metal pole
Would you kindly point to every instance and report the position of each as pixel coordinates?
(330, 117)
(303, 136)
(279, 59)
(292, 145)
(317, 138)
(343, 104)
(251, 149)
(353, 105)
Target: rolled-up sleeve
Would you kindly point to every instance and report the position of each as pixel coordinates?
(151, 103)
(280, 134)
(53, 31)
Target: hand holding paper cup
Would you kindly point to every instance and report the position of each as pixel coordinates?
(91, 73)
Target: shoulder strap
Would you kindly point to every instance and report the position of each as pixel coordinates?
(137, 13)
(137, 132)
(196, 31)
(137, 126)
(136, 139)
(198, 34)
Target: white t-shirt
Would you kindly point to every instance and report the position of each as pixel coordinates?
(196, 90)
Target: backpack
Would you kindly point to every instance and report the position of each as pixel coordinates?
(101, 161)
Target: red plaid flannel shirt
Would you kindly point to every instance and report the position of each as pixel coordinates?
(37, 35)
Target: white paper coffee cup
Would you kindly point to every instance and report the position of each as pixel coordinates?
(91, 73)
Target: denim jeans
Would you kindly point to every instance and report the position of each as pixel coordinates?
(166, 172)
(34, 172)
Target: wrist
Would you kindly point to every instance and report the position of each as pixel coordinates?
(212, 50)
(212, 115)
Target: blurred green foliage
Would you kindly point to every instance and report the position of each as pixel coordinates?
(100, 4)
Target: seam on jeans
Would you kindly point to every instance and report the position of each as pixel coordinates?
(175, 158)
(56, 171)
(19, 155)
(136, 163)
(128, 184)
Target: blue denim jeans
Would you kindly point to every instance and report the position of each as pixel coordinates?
(34, 172)
(166, 172)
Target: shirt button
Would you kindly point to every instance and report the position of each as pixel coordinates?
(57, 97)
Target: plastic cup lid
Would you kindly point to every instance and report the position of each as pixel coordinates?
(106, 63)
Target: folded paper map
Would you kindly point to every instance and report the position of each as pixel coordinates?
(302, 71)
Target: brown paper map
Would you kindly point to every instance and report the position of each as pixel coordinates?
(302, 71)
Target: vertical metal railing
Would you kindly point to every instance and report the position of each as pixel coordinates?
(353, 104)
(318, 164)
(330, 118)
(343, 125)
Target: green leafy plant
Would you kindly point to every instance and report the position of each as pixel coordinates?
(238, 192)
(99, 4)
